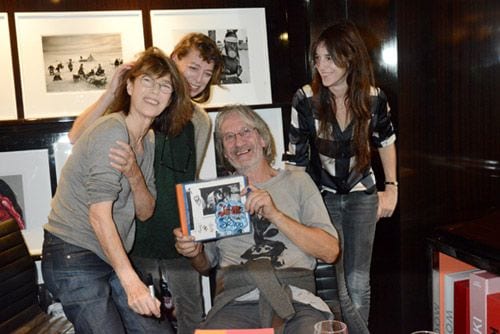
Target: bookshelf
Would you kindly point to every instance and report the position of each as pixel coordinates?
(458, 247)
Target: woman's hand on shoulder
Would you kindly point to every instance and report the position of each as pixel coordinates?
(123, 159)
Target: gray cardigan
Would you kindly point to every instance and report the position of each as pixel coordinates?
(273, 285)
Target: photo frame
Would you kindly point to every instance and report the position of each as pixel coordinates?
(28, 175)
(8, 111)
(62, 150)
(273, 118)
(66, 59)
(244, 26)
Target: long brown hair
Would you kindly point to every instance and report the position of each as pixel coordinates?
(209, 52)
(347, 49)
(155, 63)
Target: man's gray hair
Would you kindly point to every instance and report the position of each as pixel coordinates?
(253, 120)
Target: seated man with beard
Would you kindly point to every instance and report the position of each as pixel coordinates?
(265, 278)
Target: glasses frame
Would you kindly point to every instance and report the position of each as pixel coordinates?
(162, 88)
(230, 137)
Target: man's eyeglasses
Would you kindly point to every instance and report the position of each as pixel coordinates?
(165, 87)
(172, 163)
(230, 137)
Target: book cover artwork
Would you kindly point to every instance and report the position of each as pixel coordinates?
(213, 209)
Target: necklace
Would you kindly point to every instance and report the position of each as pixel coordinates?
(341, 115)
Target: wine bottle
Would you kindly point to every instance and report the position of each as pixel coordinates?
(167, 302)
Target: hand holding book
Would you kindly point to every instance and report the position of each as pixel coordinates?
(213, 209)
(186, 244)
(259, 202)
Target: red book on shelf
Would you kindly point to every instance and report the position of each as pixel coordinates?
(482, 284)
(493, 312)
(461, 306)
(450, 298)
(447, 265)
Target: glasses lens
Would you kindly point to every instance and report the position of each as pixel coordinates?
(245, 132)
(164, 87)
(229, 137)
(147, 81)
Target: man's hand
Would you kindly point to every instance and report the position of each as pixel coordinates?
(185, 245)
(260, 202)
(193, 250)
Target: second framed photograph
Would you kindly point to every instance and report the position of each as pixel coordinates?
(240, 34)
(25, 181)
(67, 58)
(7, 90)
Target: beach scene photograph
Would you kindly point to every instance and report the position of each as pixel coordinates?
(80, 62)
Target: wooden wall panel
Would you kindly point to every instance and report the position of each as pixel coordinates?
(448, 121)
(445, 99)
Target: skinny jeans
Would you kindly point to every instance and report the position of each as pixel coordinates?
(354, 215)
(90, 292)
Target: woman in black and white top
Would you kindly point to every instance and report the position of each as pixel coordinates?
(333, 123)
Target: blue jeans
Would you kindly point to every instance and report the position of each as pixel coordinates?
(354, 215)
(184, 284)
(92, 296)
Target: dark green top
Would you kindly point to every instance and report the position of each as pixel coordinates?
(175, 162)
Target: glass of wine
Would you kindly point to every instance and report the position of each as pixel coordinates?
(330, 327)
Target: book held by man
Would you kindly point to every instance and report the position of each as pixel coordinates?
(213, 209)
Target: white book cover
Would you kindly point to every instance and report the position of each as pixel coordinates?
(449, 298)
(482, 284)
(213, 209)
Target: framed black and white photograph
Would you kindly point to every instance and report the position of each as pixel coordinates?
(82, 62)
(62, 150)
(240, 34)
(8, 111)
(25, 180)
(67, 59)
(212, 168)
